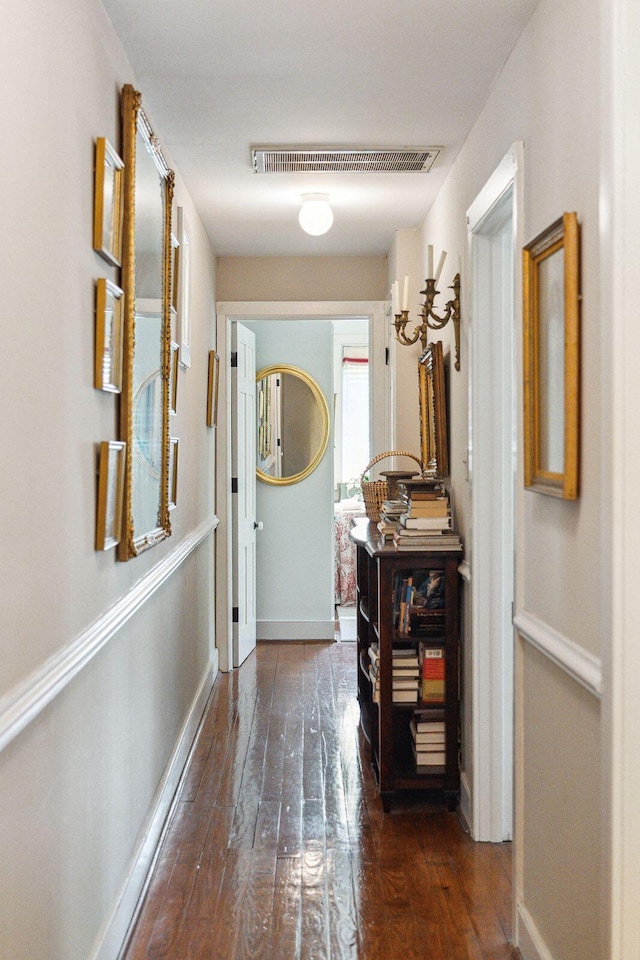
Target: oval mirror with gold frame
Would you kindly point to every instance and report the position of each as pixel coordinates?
(146, 281)
(434, 443)
(292, 417)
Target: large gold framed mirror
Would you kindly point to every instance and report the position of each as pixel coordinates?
(293, 424)
(146, 280)
(434, 442)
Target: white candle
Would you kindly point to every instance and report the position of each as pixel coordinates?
(394, 298)
(405, 298)
(459, 265)
(443, 257)
(429, 262)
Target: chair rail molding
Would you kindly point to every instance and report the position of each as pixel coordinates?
(582, 666)
(29, 698)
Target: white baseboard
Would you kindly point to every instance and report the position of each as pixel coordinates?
(112, 937)
(295, 630)
(528, 939)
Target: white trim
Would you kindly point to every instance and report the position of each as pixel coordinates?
(465, 571)
(115, 930)
(226, 312)
(530, 943)
(29, 698)
(296, 630)
(619, 401)
(494, 225)
(582, 666)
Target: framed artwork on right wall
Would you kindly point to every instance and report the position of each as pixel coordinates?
(551, 345)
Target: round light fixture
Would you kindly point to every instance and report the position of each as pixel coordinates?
(316, 216)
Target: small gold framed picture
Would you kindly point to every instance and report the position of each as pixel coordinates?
(108, 198)
(109, 332)
(110, 494)
(212, 391)
(174, 444)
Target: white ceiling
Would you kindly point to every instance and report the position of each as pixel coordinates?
(218, 76)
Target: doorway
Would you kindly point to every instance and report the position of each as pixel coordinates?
(299, 538)
(493, 223)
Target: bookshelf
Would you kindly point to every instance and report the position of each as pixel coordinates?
(426, 632)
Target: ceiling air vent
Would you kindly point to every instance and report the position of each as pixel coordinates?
(342, 160)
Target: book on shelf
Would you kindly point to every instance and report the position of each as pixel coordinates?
(409, 523)
(428, 718)
(424, 761)
(405, 683)
(429, 736)
(436, 509)
(433, 687)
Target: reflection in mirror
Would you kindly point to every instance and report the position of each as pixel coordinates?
(434, 444)
(146, 279)
(293, 424)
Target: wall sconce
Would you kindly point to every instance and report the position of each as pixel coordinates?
(316, 216)
(430, 319)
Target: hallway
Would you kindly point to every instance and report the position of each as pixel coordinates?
(278, 848)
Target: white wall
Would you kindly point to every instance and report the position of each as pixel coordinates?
(295, 550)
(547, 96)
(102, 661)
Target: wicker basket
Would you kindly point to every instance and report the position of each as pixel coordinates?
(375, 492)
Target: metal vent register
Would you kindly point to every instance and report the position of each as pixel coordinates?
(342, 160)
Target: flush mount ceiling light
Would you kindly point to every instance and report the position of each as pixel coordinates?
(316, 216)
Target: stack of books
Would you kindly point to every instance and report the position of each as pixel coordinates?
(406, 674)
(428, 740)
(425, 522)
(390, 513)
(432, 673)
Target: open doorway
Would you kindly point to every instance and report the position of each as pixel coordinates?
(351, 454)
(295, 517)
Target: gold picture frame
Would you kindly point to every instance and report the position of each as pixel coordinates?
(110, 494)
(108, 201)
(551, 347)
(212, 389)
(109, 322)
(174, 444)
(434, 441)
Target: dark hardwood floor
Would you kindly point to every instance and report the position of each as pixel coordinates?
(278, 848)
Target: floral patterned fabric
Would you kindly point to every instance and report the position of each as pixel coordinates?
(345, 553)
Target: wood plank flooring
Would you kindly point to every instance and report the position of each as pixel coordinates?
(278, 848)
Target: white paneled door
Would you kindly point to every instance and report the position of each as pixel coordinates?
(243, 423)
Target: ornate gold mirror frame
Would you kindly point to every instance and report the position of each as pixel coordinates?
(146, 280)
(434, 443)
(293, 424)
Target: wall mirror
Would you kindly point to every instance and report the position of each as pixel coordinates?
(551, 359)
(146, 280)
(293, 424)
(434, 442)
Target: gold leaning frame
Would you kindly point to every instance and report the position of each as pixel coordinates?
(434, 444)
(134, 121)
(561, 237)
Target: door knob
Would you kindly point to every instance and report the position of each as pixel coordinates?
(258, 525)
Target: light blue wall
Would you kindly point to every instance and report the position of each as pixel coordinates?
(295, 548)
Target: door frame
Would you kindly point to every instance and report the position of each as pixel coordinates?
(228, 312)
(494, 319)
